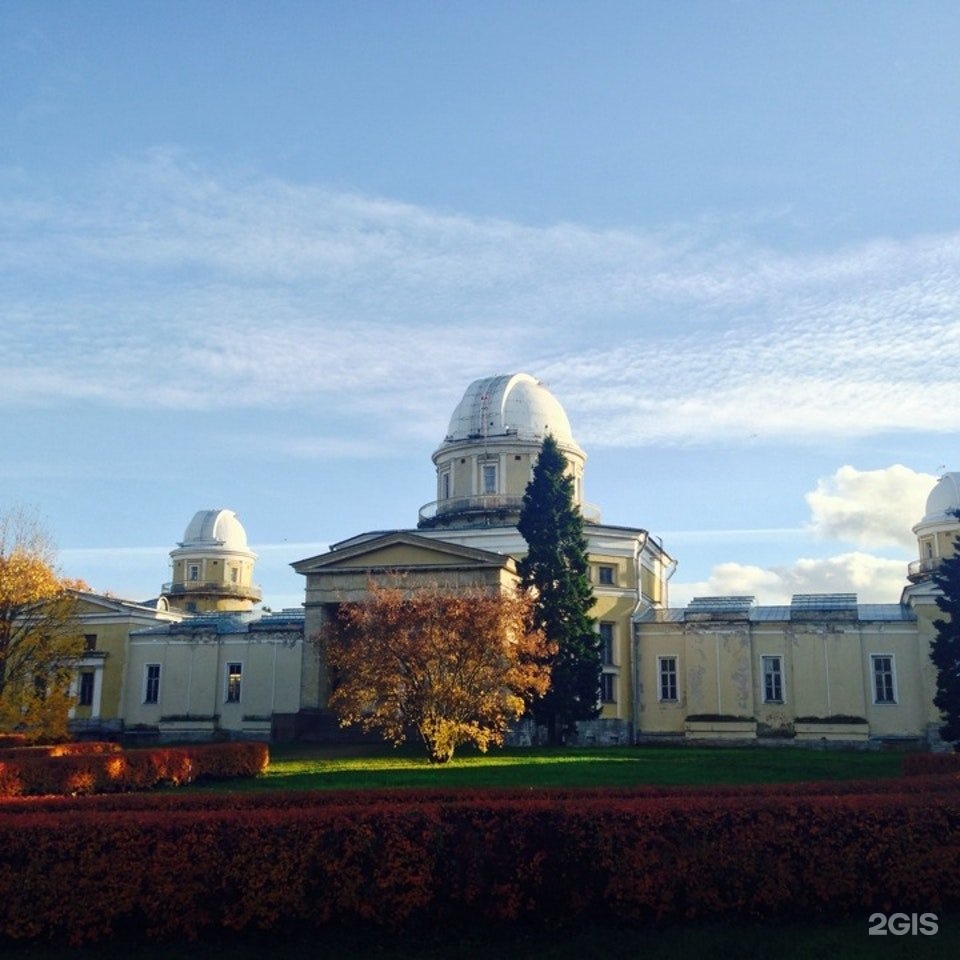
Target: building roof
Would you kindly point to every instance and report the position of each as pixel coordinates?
(943, 501)
(514, 404)
(228, 623)
(215, 528)
(803, 608)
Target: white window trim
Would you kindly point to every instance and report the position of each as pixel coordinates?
(676, 678)
(226, 681)
(893, 676)
(763, 679)
(146, 682)
(83, 673)
(494, 465)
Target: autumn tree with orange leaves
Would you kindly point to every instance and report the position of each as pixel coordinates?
(40, 636)
(456, 667)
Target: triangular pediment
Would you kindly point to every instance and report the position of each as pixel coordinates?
(401, 550)
(102, 605)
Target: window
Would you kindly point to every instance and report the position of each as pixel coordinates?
(605, 575)
(89, 642)
(151, 683)
(606, 644)
(608, 687)
(445, 485)
(193, 571)
(234, 575)
(667, 667)
(488, 478)
(884, 679)
(234, 677)
(772, 679)
(85, 696)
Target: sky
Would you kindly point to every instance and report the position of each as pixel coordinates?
(252, 254)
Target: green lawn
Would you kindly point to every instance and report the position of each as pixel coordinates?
(305, 767)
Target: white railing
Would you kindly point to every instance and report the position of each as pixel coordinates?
(489, 503)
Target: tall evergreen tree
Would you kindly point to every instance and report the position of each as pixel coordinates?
(945, 649)
(556, 568)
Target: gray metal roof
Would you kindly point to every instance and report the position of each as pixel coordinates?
(754, 613)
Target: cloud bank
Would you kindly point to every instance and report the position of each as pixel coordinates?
(164, 284)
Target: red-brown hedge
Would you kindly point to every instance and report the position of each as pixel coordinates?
(71, 748)
(28, 773)
(471, 858)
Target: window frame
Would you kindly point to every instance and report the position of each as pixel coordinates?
(494, 467)
(606, 575)
(151, 685)
(86, 684)
(608, 687)
(606, 630)
(233, 681)
(890, 677)
(665, 674)
(776, 675)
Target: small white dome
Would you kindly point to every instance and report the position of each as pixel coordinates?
(215, 528)
(509, 405)
(944, 500)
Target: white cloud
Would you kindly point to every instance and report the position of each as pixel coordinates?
(873, 579)
(170, 285)
(870, 508)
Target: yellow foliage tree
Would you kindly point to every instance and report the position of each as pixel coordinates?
(454, 667)
(40, 636)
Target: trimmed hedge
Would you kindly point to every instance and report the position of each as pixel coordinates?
(27, 772)
(69, 749)
(272, 863)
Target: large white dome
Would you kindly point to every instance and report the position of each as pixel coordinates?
(944, 500)
(215, 528)
(509, 405)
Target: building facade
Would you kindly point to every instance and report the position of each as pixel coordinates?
(203, 662)
(483, 466)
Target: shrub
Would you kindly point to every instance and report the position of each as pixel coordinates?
(29, 773)
(76, 871)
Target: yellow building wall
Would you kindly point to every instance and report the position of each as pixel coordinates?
(111, 641)
(827, 669)
(193, 678)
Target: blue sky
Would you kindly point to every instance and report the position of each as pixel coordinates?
(251, 254)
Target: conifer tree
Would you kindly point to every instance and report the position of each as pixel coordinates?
(945, 649)
(555, 567)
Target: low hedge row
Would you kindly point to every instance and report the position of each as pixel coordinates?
(27, 773)
(922, 764)
(179, 873)
(72, 748)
